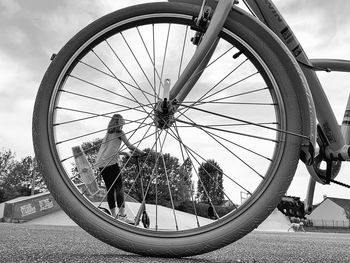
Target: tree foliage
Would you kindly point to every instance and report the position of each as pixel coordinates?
(210, 184)
(17, 177)
(175, 183)
(168, 180)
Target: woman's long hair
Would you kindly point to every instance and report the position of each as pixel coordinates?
(116, 123)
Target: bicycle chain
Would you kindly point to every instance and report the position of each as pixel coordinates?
(335, 181)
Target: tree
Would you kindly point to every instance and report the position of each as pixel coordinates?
(210, 183)
(177, 181)
(91, 149)
(30, 175)
(7, 164)
(17, 178)
(186, 184)
(174, 184)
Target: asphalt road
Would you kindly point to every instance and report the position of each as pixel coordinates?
(35, 243)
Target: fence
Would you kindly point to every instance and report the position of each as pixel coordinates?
(329, 223)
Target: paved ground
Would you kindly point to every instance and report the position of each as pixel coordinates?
(36, 243)
(275, 222)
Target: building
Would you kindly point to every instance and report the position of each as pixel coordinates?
(331, 212)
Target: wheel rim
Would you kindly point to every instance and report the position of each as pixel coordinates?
(237, 132)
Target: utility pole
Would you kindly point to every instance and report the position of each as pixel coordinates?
(33, 184)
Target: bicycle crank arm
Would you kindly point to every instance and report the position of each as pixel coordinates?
(203, 51)
(343, 154)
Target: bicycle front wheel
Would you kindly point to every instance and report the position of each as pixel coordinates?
(216, 165)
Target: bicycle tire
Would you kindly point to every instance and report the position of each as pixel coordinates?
(177, 243)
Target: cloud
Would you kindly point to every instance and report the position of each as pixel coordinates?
(318, 24)
(36, 28)
(30, 32)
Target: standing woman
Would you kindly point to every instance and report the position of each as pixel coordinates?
(108, 162)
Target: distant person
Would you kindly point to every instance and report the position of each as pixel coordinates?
(109, 165)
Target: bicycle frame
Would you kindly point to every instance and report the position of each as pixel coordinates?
(267, 12)
(336, 142)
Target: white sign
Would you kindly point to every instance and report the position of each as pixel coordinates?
(27, 210)
(45, 204)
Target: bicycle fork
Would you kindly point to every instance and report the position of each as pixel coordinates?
(167, 106)
(203, 53)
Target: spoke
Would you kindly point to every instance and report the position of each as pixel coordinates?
(248, 122)
(121, 168)
(189, 149)
(87, 134)
(159, 148)
(226, 148)
(118, 79)
(111, 158)
(229, 86)
(164, 57)
(140, 127)
(130, 75)
(230, 142)
(222, 130)
(232, 96)
(156, 186)
(155, 72)
(94, 115)
(79, 137)
(182, 52)
(141, 167)
(203, 97)
(101, 88)
(127, 90)
(199, 178)
(228, 97)
(211, 63)
(204, 160)
(191, 190)
(137, 61)
(153, 175)
(144, 163)
(105, 73)
(161, 154)
(238, 145)
(154, 68)
(228, 125)
(169, 189)
(105, 101)
(238, 103)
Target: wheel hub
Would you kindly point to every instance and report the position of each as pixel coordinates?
(164, 114)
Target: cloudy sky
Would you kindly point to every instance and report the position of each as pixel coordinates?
(31, 30)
